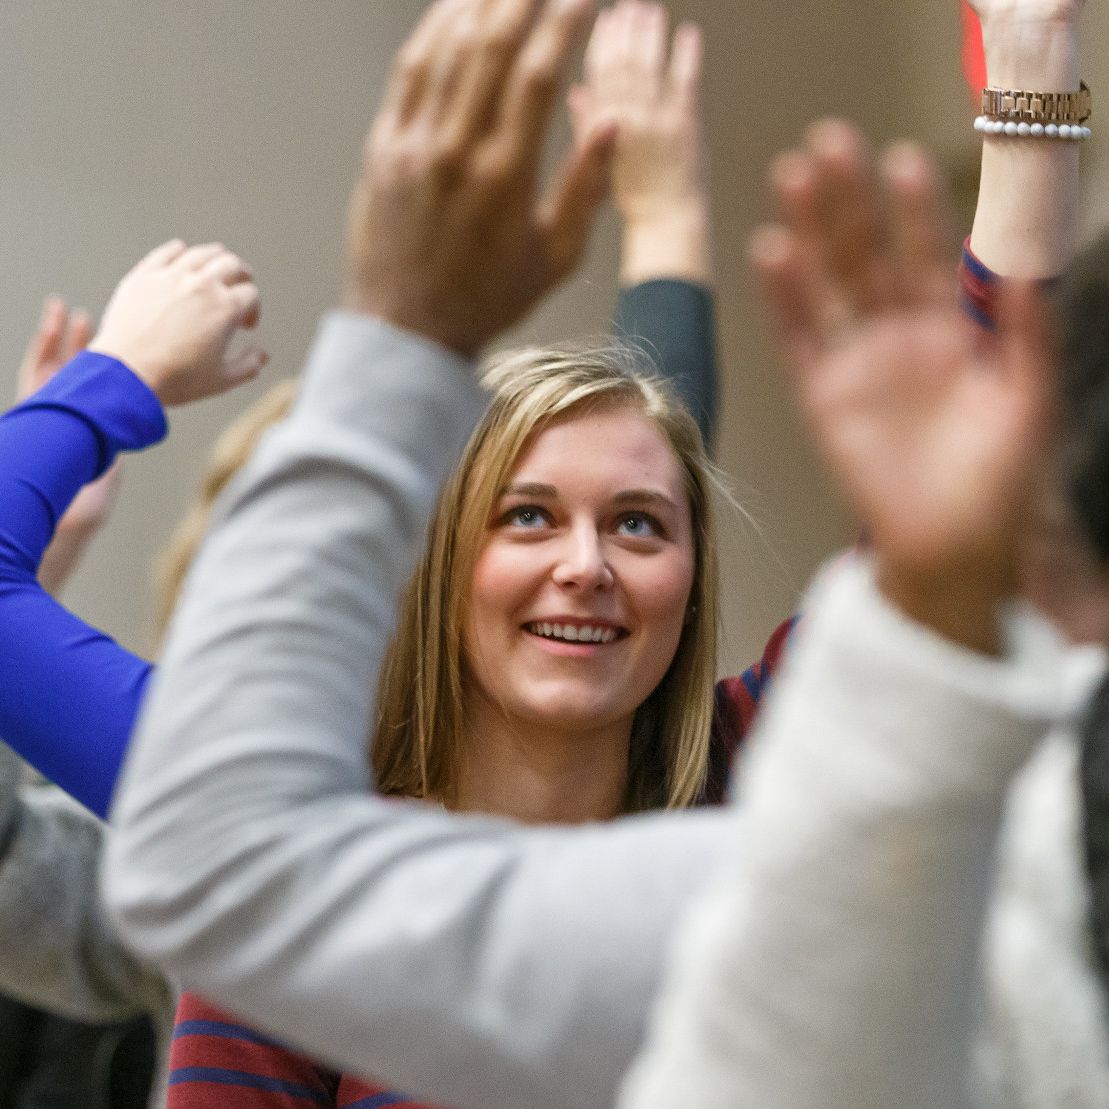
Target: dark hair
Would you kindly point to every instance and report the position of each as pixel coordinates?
(1082, 303)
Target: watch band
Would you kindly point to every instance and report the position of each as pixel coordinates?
(1021, 105)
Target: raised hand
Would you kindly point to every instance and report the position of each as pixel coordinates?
(652, 93)
(933, 430)
(62, 333)
(448, 236)
(172, 319)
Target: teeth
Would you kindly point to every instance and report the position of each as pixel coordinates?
(571, 633)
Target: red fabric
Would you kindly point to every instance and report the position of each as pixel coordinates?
(218, 1063)
(974, 57)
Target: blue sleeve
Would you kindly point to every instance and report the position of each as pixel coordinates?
(674, 322)
(68, 693)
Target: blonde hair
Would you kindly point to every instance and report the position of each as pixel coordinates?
(231, 452)
(421, 725)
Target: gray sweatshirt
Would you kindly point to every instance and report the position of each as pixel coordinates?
(58, 948)
(469, 960)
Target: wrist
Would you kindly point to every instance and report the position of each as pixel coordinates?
(667, 241)
(961, 605)
(1038, 53)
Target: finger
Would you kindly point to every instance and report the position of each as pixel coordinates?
(197, 257)
(650, 31)
(228, 268)
(598, 47)
(415, 62)
(243, 366)
(920, 230)
(579, 103)
(163, 255)
(845, 220)
(247, 302)
(536, 77)
(684, 76)
(482, 56)
(78, 333)
(44, 347)
(580, 186)
(790, 295)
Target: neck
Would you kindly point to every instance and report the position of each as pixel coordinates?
(542, 775)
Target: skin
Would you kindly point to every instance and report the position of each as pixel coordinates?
(608, 544)
(934, 431)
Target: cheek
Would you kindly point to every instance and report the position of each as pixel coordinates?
(664, 593)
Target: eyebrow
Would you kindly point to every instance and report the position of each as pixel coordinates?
(627, 496)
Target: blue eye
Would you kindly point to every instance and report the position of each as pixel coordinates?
(639, 525)
(525, 516)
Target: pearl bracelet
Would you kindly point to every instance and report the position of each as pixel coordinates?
(986, 126)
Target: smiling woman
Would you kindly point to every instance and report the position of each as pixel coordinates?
(557, 647)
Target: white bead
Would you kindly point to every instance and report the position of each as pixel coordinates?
(1023, 129)
(1010, 128)
(1064, 130)
(998, 127)
(1086, 132)
(1036, 130)
(980, 124)
(1052, 131)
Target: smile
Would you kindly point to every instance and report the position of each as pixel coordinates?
(575, 633)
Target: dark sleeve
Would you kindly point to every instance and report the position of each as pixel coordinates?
(675, 323)
(68, 693)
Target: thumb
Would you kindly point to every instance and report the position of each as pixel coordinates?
(581, 184)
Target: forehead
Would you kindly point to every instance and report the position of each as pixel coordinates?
(605, 448)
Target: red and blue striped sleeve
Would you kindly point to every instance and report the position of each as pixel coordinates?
(216, 1062)
(69, 694)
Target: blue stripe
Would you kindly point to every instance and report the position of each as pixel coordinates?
(224, 1029)
(245, 1079)
(978, 268)
(380, 1101)
(977, 314)
(752, 679)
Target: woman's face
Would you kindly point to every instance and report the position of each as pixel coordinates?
(581, 587)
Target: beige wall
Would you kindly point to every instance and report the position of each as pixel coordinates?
(128, 121)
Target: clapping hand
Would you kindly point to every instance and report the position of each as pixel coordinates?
(172, 318)
(932, 428)
(448, 235)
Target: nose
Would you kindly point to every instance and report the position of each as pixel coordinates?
(581, 562)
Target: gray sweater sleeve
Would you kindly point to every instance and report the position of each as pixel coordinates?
(58, 949)
(465, 959)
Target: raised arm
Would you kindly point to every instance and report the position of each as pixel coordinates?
(850, 915)
(651, 89)
(1024, 225)
(68, 693)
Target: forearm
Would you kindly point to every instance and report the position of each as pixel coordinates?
(848, 920)
(674, 321)
(671, 241)
(1024, 225)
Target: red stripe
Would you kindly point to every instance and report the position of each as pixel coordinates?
(974, 57)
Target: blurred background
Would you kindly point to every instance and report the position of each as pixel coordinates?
(127, 122)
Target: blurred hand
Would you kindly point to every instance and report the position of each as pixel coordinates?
(172, 318)
(447, 235)
(932, 428)
(655, 101)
